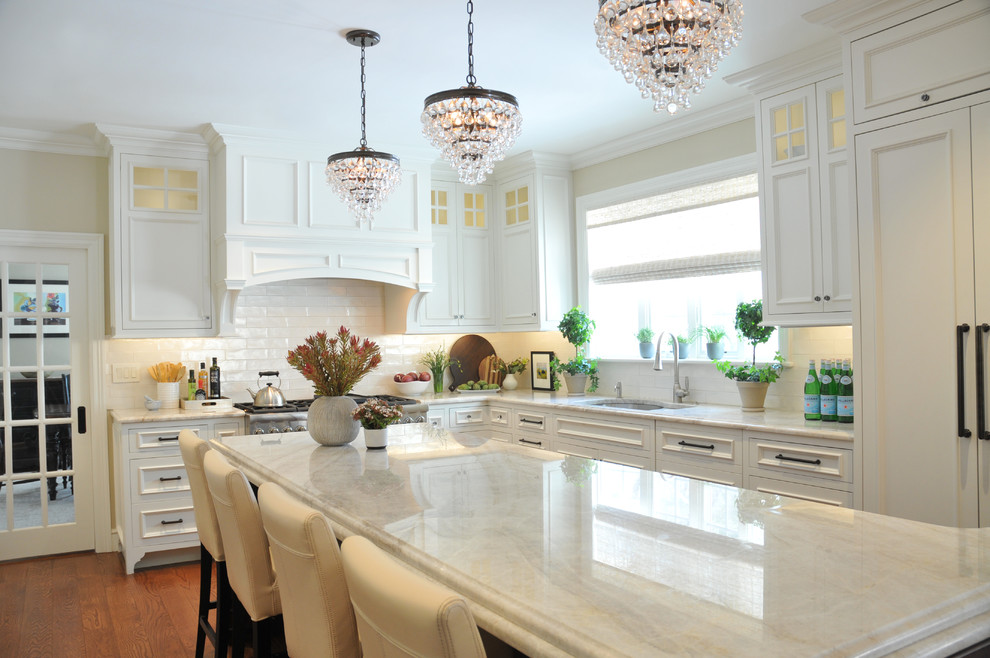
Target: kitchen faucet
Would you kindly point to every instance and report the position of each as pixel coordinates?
(618, 389)
(679, 393)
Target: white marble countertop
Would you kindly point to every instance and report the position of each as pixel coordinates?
(771, 420)
(170, 415)
(566, 556)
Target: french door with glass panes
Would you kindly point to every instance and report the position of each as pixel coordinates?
(46, 482)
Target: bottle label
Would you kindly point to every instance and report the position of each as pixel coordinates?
(826, 379)
(812, 404)
(828, 405)
(809, 379)
(846, 380)
(845, 405)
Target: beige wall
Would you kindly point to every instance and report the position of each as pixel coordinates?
(720, 143)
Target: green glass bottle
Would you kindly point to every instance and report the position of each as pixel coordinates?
(812, 394)
(829, 386)
(191, 393)
(844, 399)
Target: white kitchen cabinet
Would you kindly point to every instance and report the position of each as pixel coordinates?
(160, 260)
(706, 453)
(923, 229)
(804, 201)
(819, 470)
(626, 441)
(894, 70)
(463, 296)
(536, 260)
(154, 510)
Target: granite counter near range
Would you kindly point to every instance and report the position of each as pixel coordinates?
(567, 556)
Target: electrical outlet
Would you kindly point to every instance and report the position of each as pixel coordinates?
(125, 373)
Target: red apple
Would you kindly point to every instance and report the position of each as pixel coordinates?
(424, 376)
(398, 377)
(408, 378)
(414, 375)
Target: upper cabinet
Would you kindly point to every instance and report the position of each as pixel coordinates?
(536, 244)
(159, 234)
(463, 259)
(804, 199)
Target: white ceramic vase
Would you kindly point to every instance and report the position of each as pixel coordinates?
(376, 439)
(330, 420)
(168, 394)
(510, 383)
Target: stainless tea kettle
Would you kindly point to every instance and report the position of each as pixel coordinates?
(268, 396)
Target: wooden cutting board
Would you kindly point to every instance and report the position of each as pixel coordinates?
(466, 355)
(488, 370)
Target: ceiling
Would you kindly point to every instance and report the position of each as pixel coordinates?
(284, 67)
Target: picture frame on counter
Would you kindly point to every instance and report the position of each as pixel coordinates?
(541, 373)
(23, 298)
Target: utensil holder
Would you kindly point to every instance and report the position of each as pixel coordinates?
(168, 393)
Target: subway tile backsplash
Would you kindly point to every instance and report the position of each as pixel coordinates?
(273, 318)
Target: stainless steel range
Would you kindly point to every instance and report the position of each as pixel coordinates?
(292, 416)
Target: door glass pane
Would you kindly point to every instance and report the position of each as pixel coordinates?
(149, 176)
(797, 116)
(24, 350)
(779, 121)
(839, 134)
(23, 401)
(149, 199)
(183, 200)
(27, 503)
(184, 178)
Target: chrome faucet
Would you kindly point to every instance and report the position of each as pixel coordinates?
(679, 393)
(618, 389)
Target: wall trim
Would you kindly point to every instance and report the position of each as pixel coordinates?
(48, 142)
(684, 126)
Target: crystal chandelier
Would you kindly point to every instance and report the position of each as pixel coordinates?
(473, 127)
(668, 48)
(363, 178)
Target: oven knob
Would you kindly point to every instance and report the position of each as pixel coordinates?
(260, 430)
(300, 428)
(420, 419)
(287, 428)
(405, 420)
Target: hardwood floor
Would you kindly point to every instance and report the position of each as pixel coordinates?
(83, 605)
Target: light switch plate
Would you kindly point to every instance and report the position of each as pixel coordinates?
(125, 373)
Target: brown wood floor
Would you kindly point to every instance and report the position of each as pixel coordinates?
(84, 605)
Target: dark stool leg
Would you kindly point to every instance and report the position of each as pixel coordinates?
(205, 578)
(224, 610)
(262, 637)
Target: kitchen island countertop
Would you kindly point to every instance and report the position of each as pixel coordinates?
(565, 556)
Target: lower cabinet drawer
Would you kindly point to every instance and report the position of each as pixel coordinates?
(162, 437)
(461, 416)
(693, 469)
(528, 421)
(800, 490)
(709, 446)
(164, 524)
(606, 433)
(532, 440)
(498, 416)
(578, 449)
(767, 456)
(158, 477)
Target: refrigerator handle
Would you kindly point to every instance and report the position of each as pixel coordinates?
(981, 412)
(964, 432)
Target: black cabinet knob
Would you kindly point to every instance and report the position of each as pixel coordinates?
(925, 98)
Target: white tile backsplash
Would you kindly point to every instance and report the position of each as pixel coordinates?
(273, 318)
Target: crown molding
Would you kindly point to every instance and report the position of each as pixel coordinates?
(684, 126)
(817, 61)
(49, 142)
(846, 16)
(165, 142)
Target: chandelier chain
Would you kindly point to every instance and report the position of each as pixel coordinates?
(471, 80)
(364, 138)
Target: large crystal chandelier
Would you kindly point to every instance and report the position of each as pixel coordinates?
(363, 178)
(668, 48)
(473, 127)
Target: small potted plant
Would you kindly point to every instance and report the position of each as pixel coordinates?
(683, 344)
(334, 364)
(646, 347)
(375, 415)
(510, 370)
(714, 335)
(437, 361)
(752, 380)
(577, 328)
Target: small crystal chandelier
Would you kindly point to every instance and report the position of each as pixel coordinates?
(668, 48)
(363, 178)
(473, 127)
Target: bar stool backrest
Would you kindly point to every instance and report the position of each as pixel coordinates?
(193, 449)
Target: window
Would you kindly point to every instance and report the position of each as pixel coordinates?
(675, 261)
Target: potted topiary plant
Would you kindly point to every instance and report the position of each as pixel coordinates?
(577, 328)
(752, 380)
(646, 347)
(714, 336)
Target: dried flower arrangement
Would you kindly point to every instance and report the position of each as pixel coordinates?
(335, 364)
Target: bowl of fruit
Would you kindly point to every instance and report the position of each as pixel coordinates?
(411, 383)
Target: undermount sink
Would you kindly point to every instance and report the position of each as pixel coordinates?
(638, 405)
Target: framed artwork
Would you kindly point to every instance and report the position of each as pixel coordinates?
(23, 299)
(539, 368)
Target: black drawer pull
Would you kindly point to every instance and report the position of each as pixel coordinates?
(531, 422)
(816, 462)
(531, 443)
(696, 445)
(169, 438)
(171, 522)
(171, 479)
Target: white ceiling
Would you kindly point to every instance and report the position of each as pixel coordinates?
(283, 66)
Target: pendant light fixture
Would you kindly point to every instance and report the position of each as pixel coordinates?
(473, 127)
(668, 48)
(363, 178)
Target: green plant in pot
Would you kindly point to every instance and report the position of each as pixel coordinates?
(714, 335)
(577, 328)
(752, 380)
(646, 347)
(682, 344)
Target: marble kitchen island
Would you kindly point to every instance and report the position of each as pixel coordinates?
(567, 556)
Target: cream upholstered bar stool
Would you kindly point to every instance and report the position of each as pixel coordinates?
(400, 613)
(249, 566)
(316, 607)
(211, 553)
